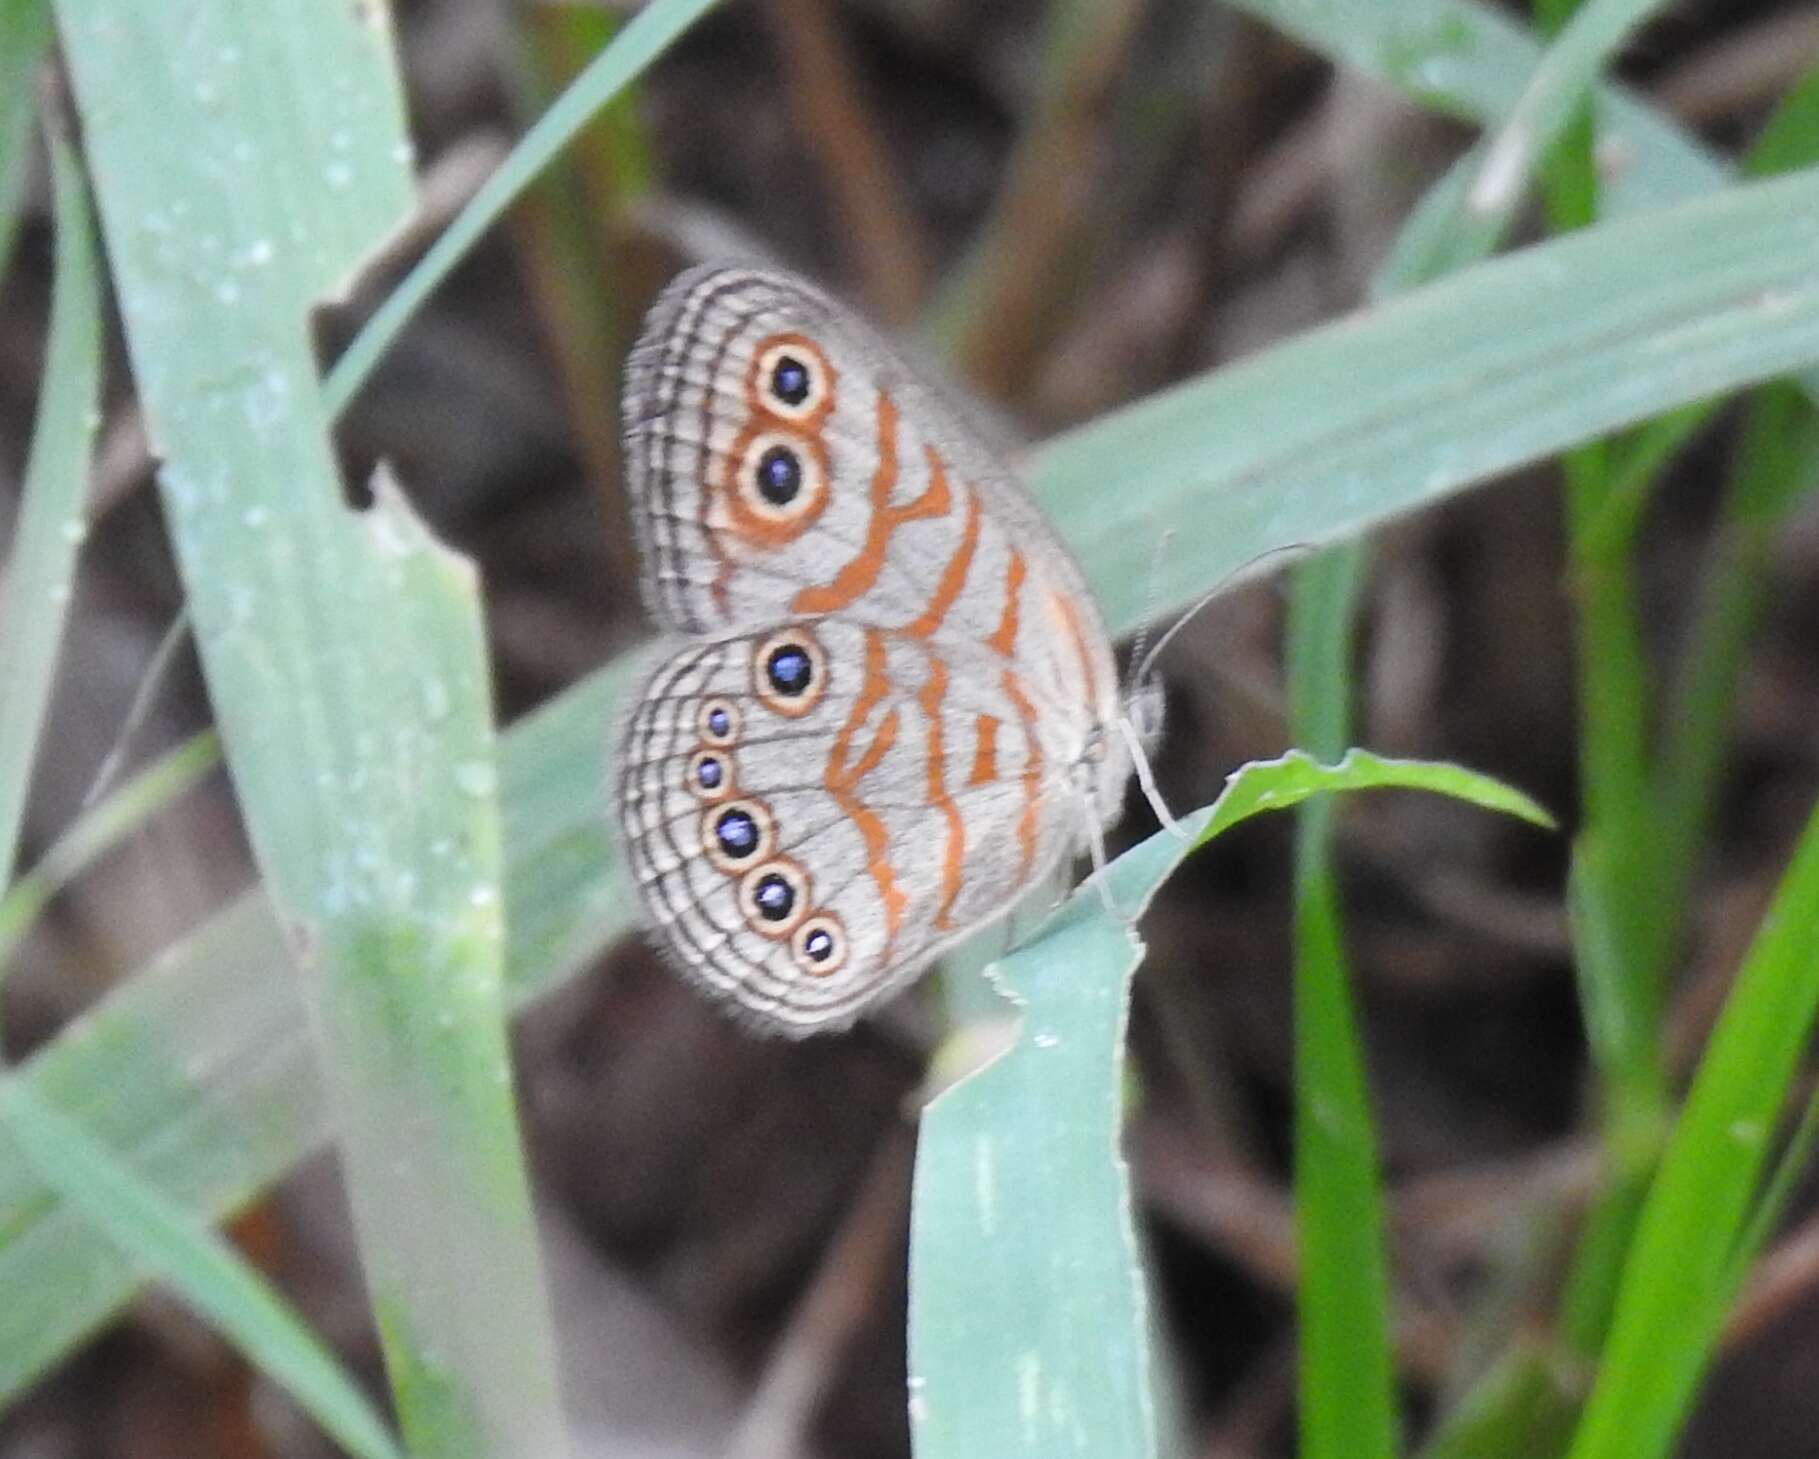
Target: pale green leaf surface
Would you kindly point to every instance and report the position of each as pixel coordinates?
(1643, 316)
(1388, 410)
(41, 565)
(164, 1239)
(371, 798)
(1028, 1329)
(1021, 1346)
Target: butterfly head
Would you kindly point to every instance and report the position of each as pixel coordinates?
(1145, 709)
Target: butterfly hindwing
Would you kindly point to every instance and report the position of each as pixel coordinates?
(897, 806)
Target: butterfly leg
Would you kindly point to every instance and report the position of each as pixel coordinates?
(1146, 778)
(1095, 841)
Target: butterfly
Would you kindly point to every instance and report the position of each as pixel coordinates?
(886, 702)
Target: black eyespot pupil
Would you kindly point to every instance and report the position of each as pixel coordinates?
(790, 670)
(818, 945)
(719, 722)
(789, 380)
(774, 896)
(737, 833)
(779, 476)
(709, 773)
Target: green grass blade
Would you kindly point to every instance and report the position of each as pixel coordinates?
(1788, 141)
(25, 36)
(1775, 466)
(1472, 61)
(1465, 215)
(1523, 1407)
(1671, 1302)
(1028, 1329)
(644, 38)
(1623, 1036)
(1770, 1206)
(1777, 463)
(213, 1278)
(1347, 1375)
(41, 567)
(99, 831)
(371, 800)
(1273, 785)
(1463, 218)
(1645, 821)
(1619, 938)
(1347, 1394)
(1345, 426)
(1574, 61)
(226, 1092)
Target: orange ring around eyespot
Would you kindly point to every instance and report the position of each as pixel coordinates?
(800, 887)
(762, 400)
(790, 706)
(705, 729)
(761, 849)
(750, 515)
(692, 778)
(819, 921)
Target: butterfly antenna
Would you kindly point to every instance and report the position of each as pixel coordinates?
(1151, 595)
(1146, 663)
(1243, 570)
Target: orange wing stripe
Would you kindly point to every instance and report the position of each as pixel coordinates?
(953, 576)
(861, 572)
(1004, 637)
(934, 690)
(985, 751)
(1032, 773)
(842, 778)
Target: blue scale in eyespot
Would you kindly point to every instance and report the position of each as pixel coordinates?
(709, 773)
(719, 722)
(775, 897)
(779, 476)
(819, 945)
(789, 380)
(737, 833)
(790, 670)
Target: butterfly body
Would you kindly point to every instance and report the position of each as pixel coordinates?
(889, 704)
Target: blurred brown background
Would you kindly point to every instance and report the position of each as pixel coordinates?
(1167, 186)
